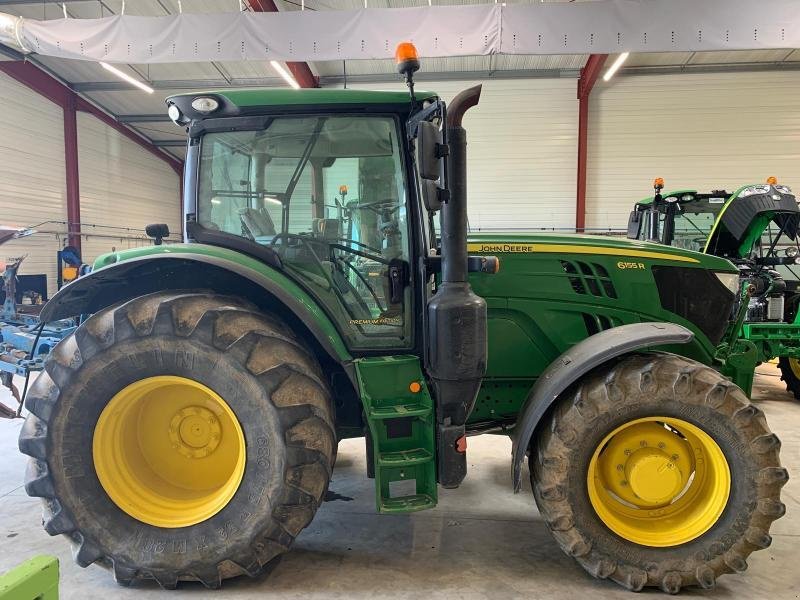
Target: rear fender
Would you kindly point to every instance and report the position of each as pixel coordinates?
(576, 362)
(261, 284)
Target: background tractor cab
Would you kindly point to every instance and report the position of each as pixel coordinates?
(747, 224)
(756, 228)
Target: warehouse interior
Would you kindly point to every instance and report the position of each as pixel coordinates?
(560, 144)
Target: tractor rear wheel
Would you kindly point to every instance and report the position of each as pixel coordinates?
(790, 374)
(179, 436)
(658, 472)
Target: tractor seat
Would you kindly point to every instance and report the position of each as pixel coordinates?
(258, 223)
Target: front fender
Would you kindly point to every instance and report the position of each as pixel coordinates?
(576, 362)
(195, 268)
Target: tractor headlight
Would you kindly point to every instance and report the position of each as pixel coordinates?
(753, 190)
(729, 280)
(783, 189)
(174, 114)
(791, 252)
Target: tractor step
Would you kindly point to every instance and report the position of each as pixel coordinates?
(408, 503)
(404, 458)
(399, 412)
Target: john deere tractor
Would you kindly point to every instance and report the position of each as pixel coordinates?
(187, 430)
(756, 228)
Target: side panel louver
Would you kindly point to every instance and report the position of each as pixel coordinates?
(589, 278)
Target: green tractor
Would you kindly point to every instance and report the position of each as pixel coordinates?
(187, 430)
(756, 228)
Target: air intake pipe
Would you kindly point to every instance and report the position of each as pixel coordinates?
(11, 32)
(457, 348)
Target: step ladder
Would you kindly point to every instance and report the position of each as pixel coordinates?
(399, 412)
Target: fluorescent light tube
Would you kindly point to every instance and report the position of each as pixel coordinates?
(126, 77)
(285, 74)
(615, 67)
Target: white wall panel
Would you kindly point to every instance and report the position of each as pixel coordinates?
(32, 179)
(522, 152)
(702, 131)
(122, 186)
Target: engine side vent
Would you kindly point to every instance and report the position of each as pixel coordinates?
(597, 323)
(589, 277)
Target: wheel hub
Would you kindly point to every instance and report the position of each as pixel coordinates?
(194, 432)
(653, 477)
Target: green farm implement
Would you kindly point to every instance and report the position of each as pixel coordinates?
(756, 228)
(187, 430)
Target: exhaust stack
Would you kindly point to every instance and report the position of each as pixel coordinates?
(457, 346)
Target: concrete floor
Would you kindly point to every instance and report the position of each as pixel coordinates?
(480, 542)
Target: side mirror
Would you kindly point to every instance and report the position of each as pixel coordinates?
(157, 231)
(634, 220)
(429, 144)
(431, 195)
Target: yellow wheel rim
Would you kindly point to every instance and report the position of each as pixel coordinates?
(658, 481)
(795, 366)
(169, 451)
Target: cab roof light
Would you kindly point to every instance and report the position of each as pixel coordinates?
(772, 180)
(405, 51)
(658, 183)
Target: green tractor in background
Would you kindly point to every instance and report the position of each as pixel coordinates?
(187, 430)
(756, 228)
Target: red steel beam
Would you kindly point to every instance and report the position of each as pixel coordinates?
(589, 74)
(299, 70)
(72, 173)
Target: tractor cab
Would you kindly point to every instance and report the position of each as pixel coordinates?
(276, 182)
(747, 224)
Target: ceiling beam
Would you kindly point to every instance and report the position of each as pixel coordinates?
(169, 143)
(300, 70)
(143, 118)
(179, 84)
(335, 80)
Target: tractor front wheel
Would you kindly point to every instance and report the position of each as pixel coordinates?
(179, 436)
(790, 374)
(658, 472)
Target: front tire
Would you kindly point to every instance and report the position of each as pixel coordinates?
(658, 472)
(790, 375)
(179, 436)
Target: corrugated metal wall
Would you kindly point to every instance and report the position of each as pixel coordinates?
(522, 149)
(703, 131)
(32, 181)
(122, 185)
(123, 189)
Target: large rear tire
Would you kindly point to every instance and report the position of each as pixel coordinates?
(179, 436)
(658, 472)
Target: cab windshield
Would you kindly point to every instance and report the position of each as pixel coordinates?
(328, 194)
(693, 224)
